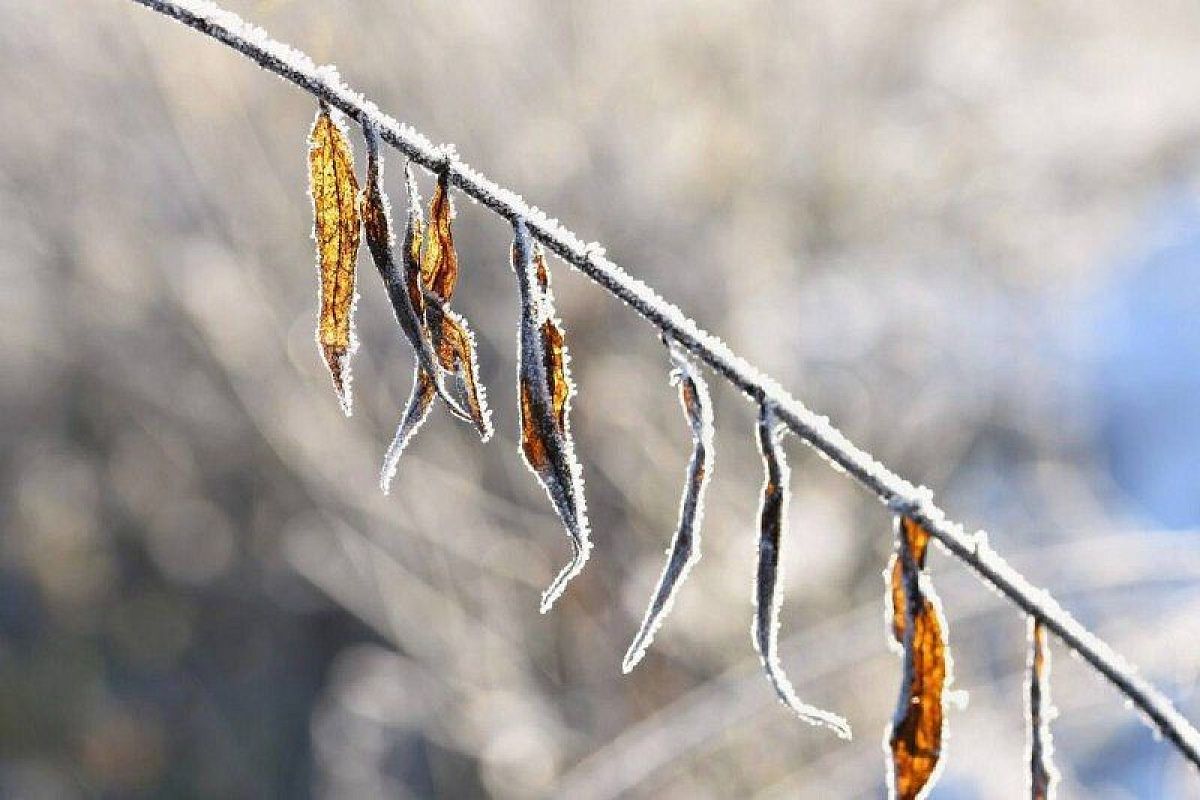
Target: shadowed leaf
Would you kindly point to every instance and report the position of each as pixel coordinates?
(334, 192)
(403, 284)
(768, 596)
(915, 737)
(685, 547)
(544, 389)
(415, 412)
(1043, 777)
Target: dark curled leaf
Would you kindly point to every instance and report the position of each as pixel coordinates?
(415, 412)
(914, 741)
(403, 286)
(767, 594)
(545, 390)
(334, 192)
(685, 547)
(1043, 777)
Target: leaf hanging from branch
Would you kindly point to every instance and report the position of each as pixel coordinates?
(685, 547)
(1043, 777)
(451, 336)
(544, 388)
(914, 739)
(768, 596)
(403, 285)
(334, 192)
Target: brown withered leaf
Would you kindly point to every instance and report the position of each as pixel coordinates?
(1043, 777)
(454, 346)
(439, 262)
(334, 192)
(918, 543)
(917, 730)
(768, 597)
(685, 547)
(544, 390)
(377, 224)
(401, 282)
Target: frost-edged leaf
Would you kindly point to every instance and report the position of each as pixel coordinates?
(439, 262)
(1043, 777)
(377, 224)
(918, 539)
(454, 345)
(914, 740)
(685, 547)
(415, 412)
(768, 596)
(336, 231)
(402, 281)
(544, 390)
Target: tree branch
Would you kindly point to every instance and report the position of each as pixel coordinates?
(898, 494)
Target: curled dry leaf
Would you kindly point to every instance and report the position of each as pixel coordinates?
(768, 596)
(439, 261)
(1043, 777)
(453, 342)
(334, 192)
(685, 547)
(403, 285)
(407, 304)
(914, 739)
(545, 389)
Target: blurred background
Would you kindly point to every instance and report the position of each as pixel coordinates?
(967, 231)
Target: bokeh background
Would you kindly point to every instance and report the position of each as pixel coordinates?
(969, 232)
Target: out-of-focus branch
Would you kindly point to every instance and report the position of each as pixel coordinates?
(898, 494)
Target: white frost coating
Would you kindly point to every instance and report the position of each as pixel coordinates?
(686, 542)
(817, 432)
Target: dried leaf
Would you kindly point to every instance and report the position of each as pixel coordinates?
(1043, 777)
(916, 734)
(544, 388)
(918, 539)
(439, 262)
(403, 285)
(334, 192)
(416, 410)
(377, 223)
(454, 346)
(685, 547)
(768, 596)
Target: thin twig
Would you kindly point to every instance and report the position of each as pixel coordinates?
(898, 494)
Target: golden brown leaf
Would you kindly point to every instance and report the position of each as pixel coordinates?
(334, 193)
(454, 345)
(439, 262)
(544, 388)
(918, 542)
(916, 735)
